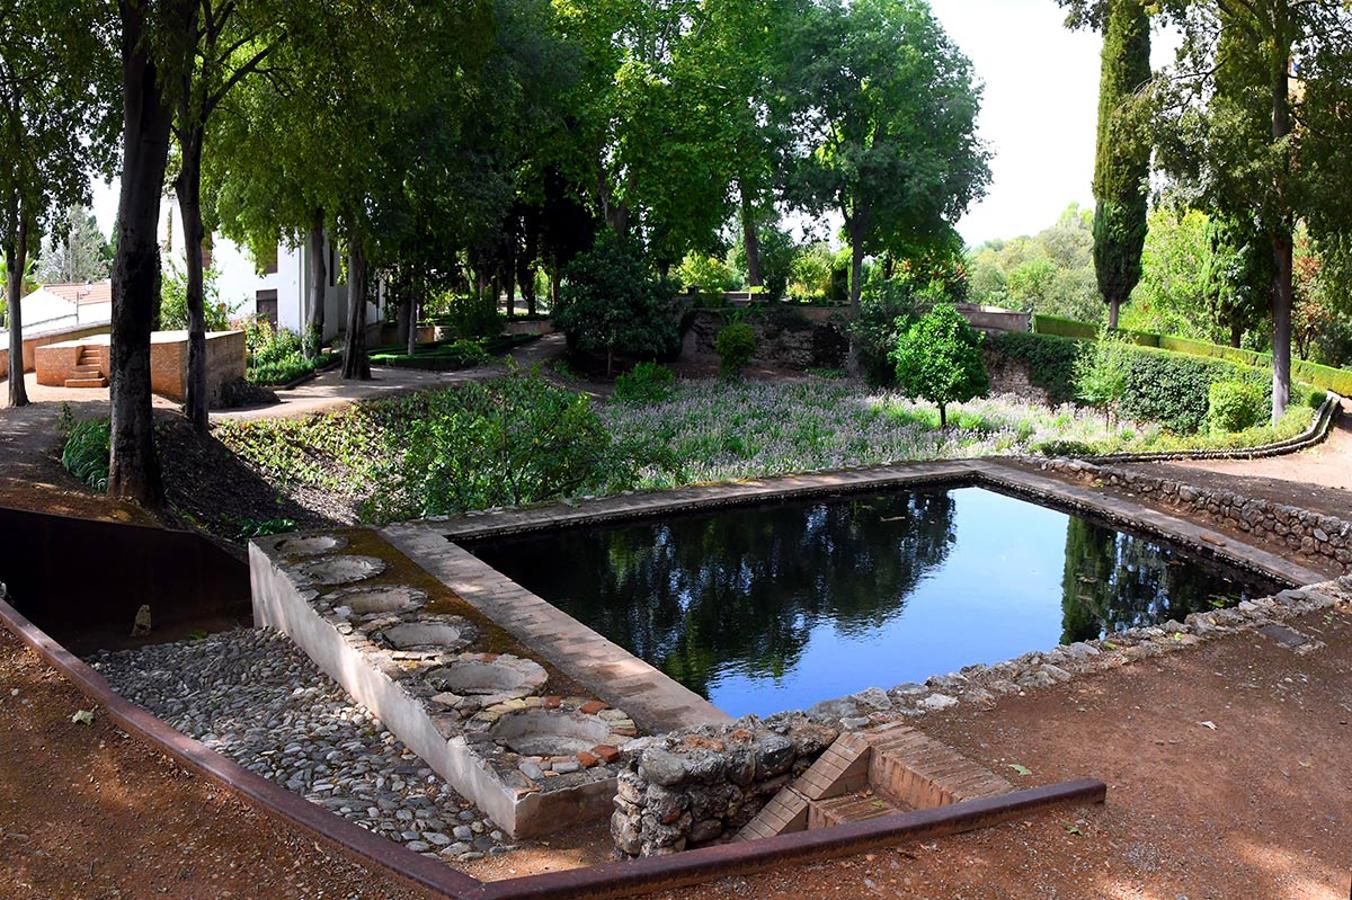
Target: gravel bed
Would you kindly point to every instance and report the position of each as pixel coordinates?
(254, 696)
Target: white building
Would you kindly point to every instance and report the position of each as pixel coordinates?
(276, 289)
(55, 306)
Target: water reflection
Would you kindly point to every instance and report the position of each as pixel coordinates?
(780, 605)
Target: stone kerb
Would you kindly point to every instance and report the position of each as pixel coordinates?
(533, 763)
(1310, 534)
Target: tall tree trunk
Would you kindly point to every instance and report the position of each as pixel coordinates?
(525, 268)
(1236, 331)
(553, 288)
(509, 273)
(16, 257)
(1282, 244)
(1114, 307)
(188, 188)
(133, 469)
(356, 365)
(856, 287)
(314, 336)
(411, 338)
(750, 241)
(1282, 296)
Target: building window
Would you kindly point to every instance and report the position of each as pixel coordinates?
(266, 306)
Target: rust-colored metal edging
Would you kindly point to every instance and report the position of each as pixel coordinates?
(356, 843)
(615, 879)
(655, 873)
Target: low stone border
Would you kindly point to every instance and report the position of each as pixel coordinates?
(1306, 532)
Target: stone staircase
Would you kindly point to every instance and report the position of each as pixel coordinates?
(867, 775)
(88, 371)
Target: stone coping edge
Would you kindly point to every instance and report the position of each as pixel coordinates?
(356, 843)
(625, 878)
(1319, 429)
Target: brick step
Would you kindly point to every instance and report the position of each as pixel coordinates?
(86, 369)
(866, 775)
(95, 382)
(849, 808)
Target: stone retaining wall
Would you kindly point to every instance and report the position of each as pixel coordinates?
(687, 789)
(786, 338)
(1314, 536)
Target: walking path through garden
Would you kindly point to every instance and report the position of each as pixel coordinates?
(1319, 479)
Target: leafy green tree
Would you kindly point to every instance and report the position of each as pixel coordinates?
(1250, 145)
(55, 126)
(939, 359)
(1122, 165)
(883, 111)
(1237, 279)
(611, 300)
(1051, 272)
(1170, 298)
(1101, 373)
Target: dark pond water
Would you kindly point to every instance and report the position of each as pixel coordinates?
(779, 606)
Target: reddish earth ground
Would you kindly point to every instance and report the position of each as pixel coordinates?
(85, 811)
(1259, 806)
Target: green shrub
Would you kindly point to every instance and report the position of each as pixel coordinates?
(1316, 398)
(1062, 327)
(1173, 390)
(887, 307)
(735, 345)
(1101, 374)
(466, 315)
(252, 528)
(612, 300)
(1236, 405)
(174, 301)
(85, 453)
(646, 383)
(514, 440)
(709, 273)
(939, 359)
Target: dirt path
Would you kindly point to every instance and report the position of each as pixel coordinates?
(1319, 479)
(85, 811)
(1259, 806)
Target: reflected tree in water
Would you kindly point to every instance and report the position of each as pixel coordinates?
(1116, 580)
(740, 589)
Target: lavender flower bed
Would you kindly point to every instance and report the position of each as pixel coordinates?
(716, 431)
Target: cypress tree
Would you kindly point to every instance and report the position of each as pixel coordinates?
(1122, 164)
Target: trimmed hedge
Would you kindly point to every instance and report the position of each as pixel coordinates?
(1162, 386)
(1327, 377)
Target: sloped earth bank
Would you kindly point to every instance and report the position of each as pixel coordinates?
(1227, 777)
(85, 811)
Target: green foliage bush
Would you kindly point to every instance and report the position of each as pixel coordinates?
(174, 302)
(466, 315)
(887, 307)
(1236, 405)
(939, 359)
(1101, 374)
(1173, 390)
(735, 345)
(1061, 327)
(514, 440)
(709, 273)
(85, 453)
(612, 300)
(276, 356)
(647, 382)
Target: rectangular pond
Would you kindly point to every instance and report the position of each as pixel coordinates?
(778, 606)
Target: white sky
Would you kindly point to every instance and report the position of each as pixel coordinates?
(1038, 115)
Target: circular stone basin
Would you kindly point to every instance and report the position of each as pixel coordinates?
(311, 545)
(492, 678)
(370, 601)
(449, 635)
(339, 569)
(549, 732)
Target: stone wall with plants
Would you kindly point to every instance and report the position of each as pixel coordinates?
(786, 338)
(687, 789)
(1314, 536)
